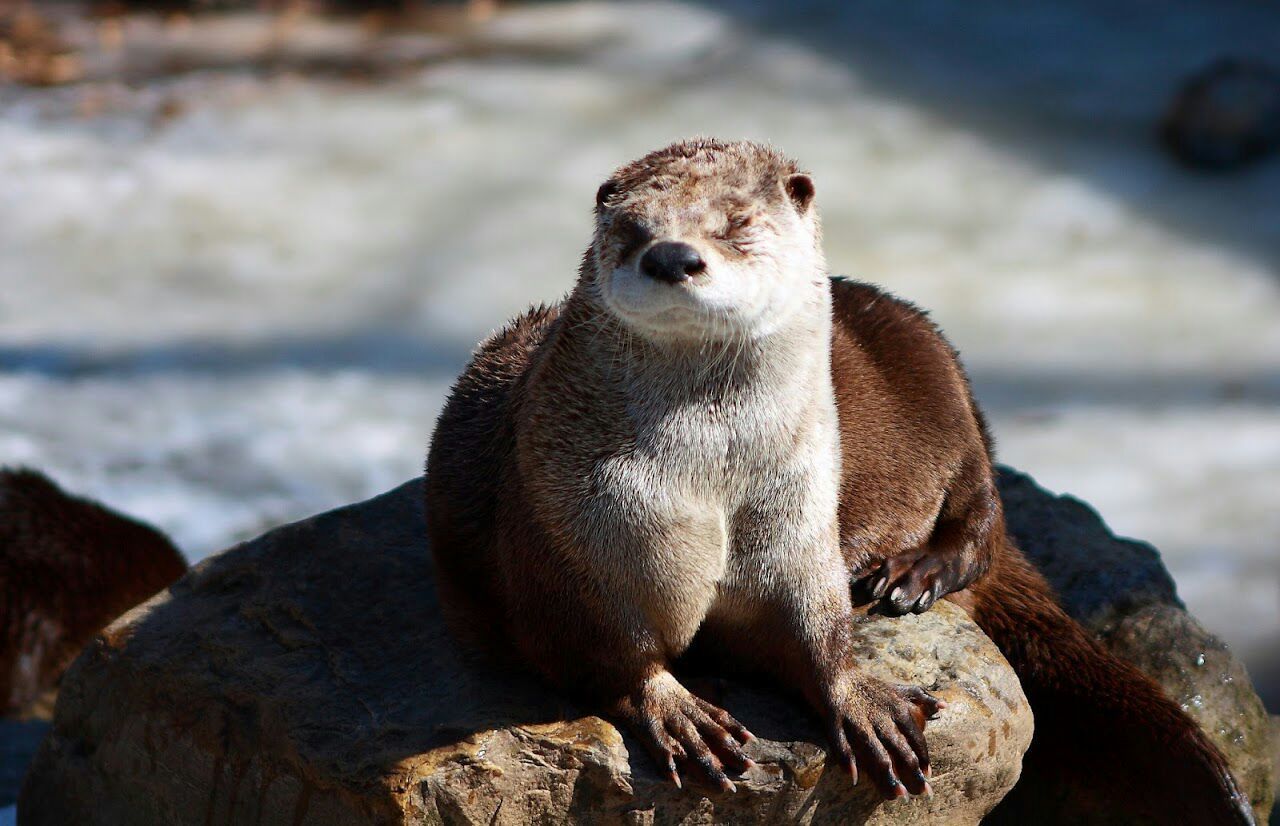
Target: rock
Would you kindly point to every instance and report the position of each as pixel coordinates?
(305, 677)
(1275, 763)
(1225, 116)
(1119, 589)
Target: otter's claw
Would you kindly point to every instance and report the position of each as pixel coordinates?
(912, 581)
(684, 732)
(880, 729)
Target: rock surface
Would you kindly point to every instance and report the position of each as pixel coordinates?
(1119, 589)
(305, 677)
(1275, 763)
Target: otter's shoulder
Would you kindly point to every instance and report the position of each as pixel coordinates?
(514, 343)
(504, 355)
(899, 337)
(906, 347)
(477, 410)
(874, 317)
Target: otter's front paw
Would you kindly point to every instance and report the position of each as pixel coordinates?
(683, 730)
(878, 729)
(912, 581)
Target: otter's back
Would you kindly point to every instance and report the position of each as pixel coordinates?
(910, 431)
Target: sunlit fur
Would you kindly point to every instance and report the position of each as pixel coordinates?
(651, 468)
(650, 463)
(762, 254)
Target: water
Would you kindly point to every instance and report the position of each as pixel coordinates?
(252, 310)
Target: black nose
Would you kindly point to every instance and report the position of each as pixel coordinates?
(672, 262)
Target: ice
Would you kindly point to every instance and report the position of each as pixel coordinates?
(251, 310)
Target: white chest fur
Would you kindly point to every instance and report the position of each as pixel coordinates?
(717, 478)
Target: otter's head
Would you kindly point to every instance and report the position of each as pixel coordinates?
(706, 240)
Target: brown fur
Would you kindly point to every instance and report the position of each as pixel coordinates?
(917, 454)
(516, 478)
(563, 523)
(68, 566)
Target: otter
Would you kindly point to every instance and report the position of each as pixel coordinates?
(712, 446)
(68, 566)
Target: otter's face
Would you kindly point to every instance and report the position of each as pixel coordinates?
(704, 248)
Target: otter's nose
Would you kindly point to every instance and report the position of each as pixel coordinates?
(672, 261)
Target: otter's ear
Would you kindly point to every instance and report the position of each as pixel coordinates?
(800, 190)
(606, 190)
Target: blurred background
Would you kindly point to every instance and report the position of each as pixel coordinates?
(245, 247)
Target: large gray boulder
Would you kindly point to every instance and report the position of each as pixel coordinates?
(1275, 763)
(1119, 589)
(305, 677)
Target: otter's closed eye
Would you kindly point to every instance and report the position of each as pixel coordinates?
(632, 235)
(736, 227)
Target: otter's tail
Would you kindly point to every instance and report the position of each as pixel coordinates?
(1098, 719)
